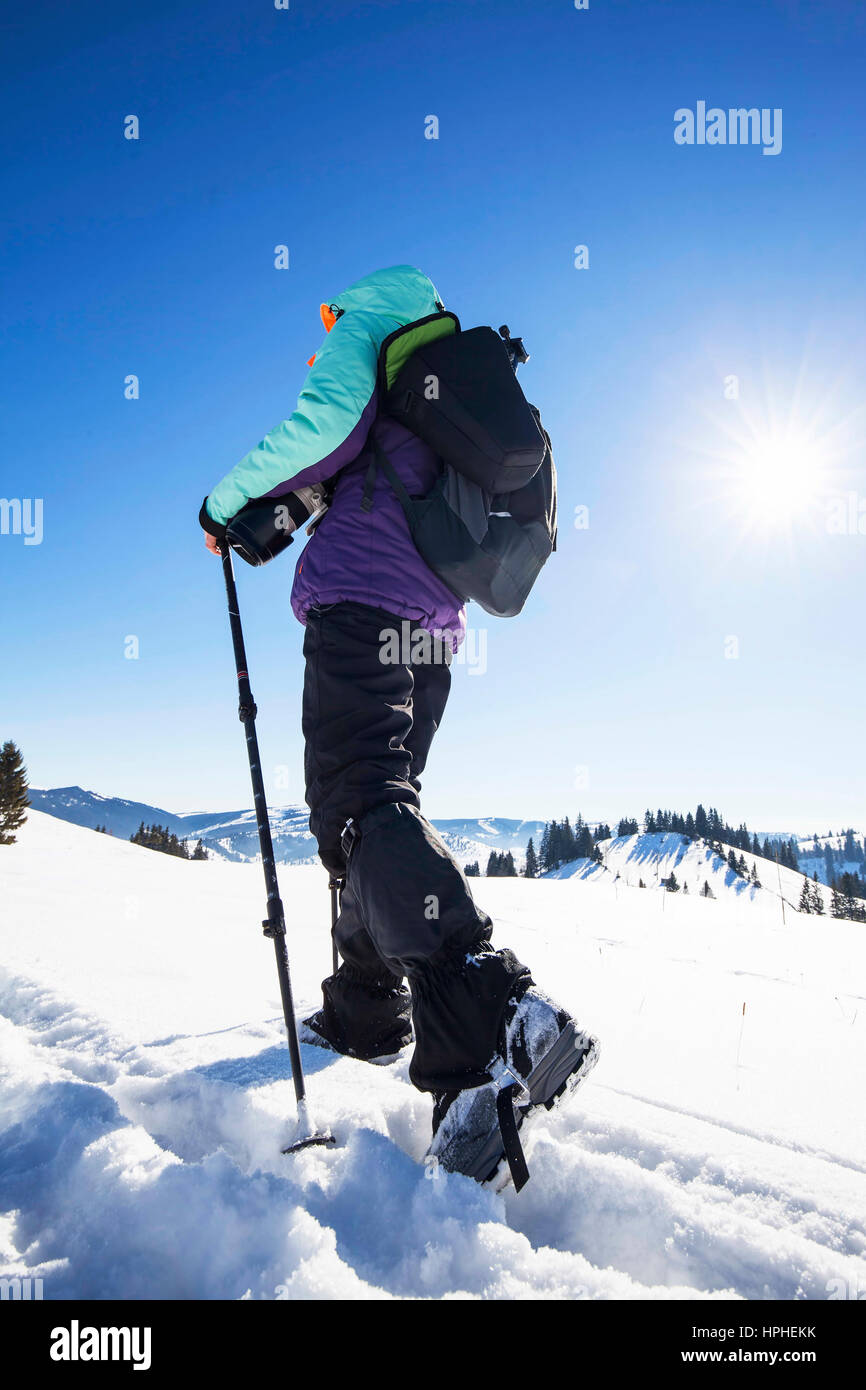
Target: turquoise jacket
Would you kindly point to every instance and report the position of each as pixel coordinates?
(367, 557)
(336, 392)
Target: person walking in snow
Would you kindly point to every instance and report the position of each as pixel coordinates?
(489, 1045)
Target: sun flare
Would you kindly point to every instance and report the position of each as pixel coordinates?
(778, 476)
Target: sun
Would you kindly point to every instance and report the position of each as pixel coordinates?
(778, 476)
(773, 466)
(766, 467)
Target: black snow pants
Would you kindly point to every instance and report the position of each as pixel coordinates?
(369, 716)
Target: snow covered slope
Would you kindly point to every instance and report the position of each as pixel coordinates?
(717, 1151)
(651, 858)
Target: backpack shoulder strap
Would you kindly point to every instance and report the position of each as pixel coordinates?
(380, 460)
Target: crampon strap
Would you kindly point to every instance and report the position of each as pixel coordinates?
(510, 1136)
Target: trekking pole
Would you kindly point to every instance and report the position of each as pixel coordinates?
(275, 926)
(336, 887)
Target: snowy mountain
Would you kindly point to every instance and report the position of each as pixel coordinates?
(718, 1151)
(650, 859)
(232, 834)
(473, 840)
(90, 809)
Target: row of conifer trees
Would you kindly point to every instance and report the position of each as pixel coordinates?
(160, 838)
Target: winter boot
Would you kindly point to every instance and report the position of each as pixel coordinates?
(369, 1019)
(541, 1055)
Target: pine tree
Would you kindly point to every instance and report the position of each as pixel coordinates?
(507, 869)
(585, 847)
(13, 792)
(829, 865)
(544, 852)
(706, 891)
(472, 870)
(670, 883)
(805, 903)
(531, 869)
(567, 842)
(200, 852)
(493, 865)
(555, 844)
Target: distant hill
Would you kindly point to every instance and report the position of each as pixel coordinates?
(650, 859)
(90, 809)
(470, 840)
(232, 835)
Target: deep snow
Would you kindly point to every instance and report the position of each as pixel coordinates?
(717, 1150)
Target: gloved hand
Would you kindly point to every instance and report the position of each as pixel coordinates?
(214, 530)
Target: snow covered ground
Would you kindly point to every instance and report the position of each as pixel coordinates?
(717, 1151)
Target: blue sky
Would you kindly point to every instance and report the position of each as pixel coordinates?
(619, 686)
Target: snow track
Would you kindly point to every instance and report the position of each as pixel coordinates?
(138, 1165)
(139, 1162)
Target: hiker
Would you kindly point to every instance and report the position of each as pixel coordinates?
(481, 1026)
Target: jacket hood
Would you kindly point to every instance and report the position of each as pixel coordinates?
(401, 292)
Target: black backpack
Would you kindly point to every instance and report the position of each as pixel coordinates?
(488, 525)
